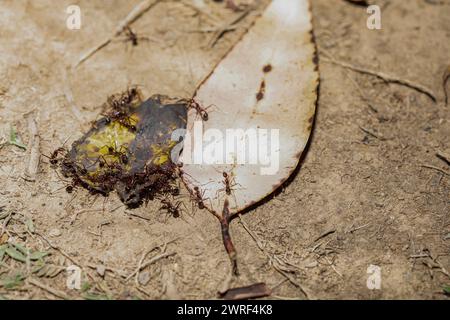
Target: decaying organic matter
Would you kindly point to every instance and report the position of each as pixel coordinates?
(129, 149)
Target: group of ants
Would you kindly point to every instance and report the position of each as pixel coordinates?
(118, 112)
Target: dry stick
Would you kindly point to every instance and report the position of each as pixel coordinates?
(47, 288)
(385, 77)
(152, 261)
(436, 168)
(278, 269)
(446, 78)
(219, 34)
(134, 14)
(443, 156)
(141, 266)
(229, 246)
(215, 20)
(34, 143)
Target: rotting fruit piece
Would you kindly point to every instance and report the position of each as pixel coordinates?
(129, 149)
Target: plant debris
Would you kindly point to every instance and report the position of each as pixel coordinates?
(15, 140)
(128, 150)
(257, 290)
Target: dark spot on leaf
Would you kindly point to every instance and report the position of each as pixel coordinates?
(267, 68)
(262, 91)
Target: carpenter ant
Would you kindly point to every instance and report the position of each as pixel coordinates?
(172, 209)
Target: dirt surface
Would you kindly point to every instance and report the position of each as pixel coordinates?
(363, 195)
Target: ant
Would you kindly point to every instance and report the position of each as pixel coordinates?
(71, 187)
(172, 209)
(227, 183)
(199, 197)
(134, 38)
(122, 118)
(54, 156)
(121, 155)
(120, 107)
(192, 104)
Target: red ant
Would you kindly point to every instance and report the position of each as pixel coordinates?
(199, 198)
(121, 155)
(192, 104)
(54, 156)
(122, 117)
(227, 183)
(174, 210)
(120, 108)
(133, 37)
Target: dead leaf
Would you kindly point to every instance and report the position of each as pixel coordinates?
(264, 92)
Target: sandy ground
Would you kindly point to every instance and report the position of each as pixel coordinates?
(362, 197)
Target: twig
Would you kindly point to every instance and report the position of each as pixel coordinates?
(277, 268)
(371, 133)
(383, 76)
(358, 228)
(436, 168)
(214, 19)
(443, 156)
(47, 288)
(153, 260)
(34, 143)
(134, 14)
(226, 28)
(325, 234)
(445, 79)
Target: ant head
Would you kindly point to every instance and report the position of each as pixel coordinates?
(69, 189)
(205, 116)
(225, 175)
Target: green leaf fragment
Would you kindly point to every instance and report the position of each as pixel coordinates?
(37, 255)
(15, 140)
(11, 282)
(15, 254)
(21, 248)
(447, 290)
